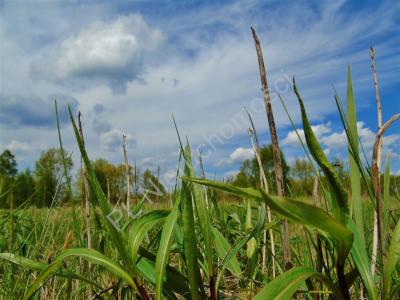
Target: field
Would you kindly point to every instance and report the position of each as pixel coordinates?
(341, 243)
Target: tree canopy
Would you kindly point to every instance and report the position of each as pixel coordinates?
(249, 173)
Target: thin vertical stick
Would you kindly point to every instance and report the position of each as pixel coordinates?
(376, 164)
(85, 189)
(319, 263)
(135, 179)
(158, 182)
(275, 148)
(128, 193)
(12, 232)
(108, 190)
(264, 185)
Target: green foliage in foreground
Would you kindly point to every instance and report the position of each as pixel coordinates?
(198, 248)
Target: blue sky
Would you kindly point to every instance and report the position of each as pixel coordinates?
(129, 65)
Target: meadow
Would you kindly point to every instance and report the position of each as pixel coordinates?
(341, 243)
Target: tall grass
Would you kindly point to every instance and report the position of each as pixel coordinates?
(198, 248)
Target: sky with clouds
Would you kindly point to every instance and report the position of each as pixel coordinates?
(128, 66)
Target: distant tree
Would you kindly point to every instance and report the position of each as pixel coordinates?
(302, 173)
(24, 187)
(152, 186)
(8, 170)
(49, 172)
(249, 173)
(245, 176)
(8, 164)
(112, 178)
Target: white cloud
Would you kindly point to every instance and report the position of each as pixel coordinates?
(18, 147)
(113, 52)
(240, 154)
(231, 174)
(112, 140)
(365, 135)
(209, 51)
(169, 178)
(319, 130)
(335, 140)
(24, 150)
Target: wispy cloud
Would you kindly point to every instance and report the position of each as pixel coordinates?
(130, 68)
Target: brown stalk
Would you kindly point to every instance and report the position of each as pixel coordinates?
(377, 182)
(264, 184)
(128, 193)
(379, 240)
(376, 163)
(275, 147)
(67, 240)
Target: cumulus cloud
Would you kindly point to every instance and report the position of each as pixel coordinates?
(169, 178)
(335, 140)
(231, 174)
(335, 143)
(240, 154)
(319, 130)
(204, 74)
(112, 140)
(365, 134)
(107, 51)
(34, 111)
(23, 150)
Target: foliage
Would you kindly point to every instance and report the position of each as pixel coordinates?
(197, 247)
(49, 173)
(8, 164)
(249, 173)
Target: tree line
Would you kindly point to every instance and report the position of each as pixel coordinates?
(46, 183)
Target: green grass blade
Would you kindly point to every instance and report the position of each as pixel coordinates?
(386, 194)
(97, 258)
(189, 238)
(44, 275)
(354, 149)
(39, 267)
(148, 271)
(202, 211)
(393, 257)
(164, 248)
(140, 229)
(88, 254)
(64, 161)
(340, 206)
(222, 247)
(285, 285)
(117, 237)
(362, 262)
(298, 212)
(175, 280)
(252, 243)
(355, 179)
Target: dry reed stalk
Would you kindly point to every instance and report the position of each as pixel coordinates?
(379, 236)
(264, 185)
(275, 148)
(128, 192)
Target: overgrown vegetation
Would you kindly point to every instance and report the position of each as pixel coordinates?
(196, 246)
